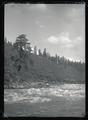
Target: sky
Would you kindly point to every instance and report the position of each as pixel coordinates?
(60, 28)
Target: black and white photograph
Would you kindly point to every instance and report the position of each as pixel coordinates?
(44, 60)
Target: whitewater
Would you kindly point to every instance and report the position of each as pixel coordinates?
(38, 95)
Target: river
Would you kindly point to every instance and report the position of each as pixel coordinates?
(66, 100)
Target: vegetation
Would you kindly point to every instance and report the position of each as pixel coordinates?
(24, 67)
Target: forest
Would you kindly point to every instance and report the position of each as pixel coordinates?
(25, 67)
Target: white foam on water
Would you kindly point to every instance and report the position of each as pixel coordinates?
(39, 99)
(33, 95)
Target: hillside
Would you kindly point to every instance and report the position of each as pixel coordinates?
(40, 71)
(44, 71)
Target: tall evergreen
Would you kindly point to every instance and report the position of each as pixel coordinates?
(35, 50)
(44, 53)
(21, 46)
(39, 52)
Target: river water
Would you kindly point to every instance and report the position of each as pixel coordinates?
(53, 101)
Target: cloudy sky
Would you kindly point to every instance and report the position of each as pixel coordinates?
(60, 28)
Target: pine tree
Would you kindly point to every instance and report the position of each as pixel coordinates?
(35, 50)
(56, 58)
(39, 52)
(21, 46)
(44, 53)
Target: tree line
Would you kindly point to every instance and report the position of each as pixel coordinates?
(22, 49)
(22, 62)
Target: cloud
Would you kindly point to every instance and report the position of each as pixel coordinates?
(64, 40)
(77, 40)
(53, 40)
(38, 23)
